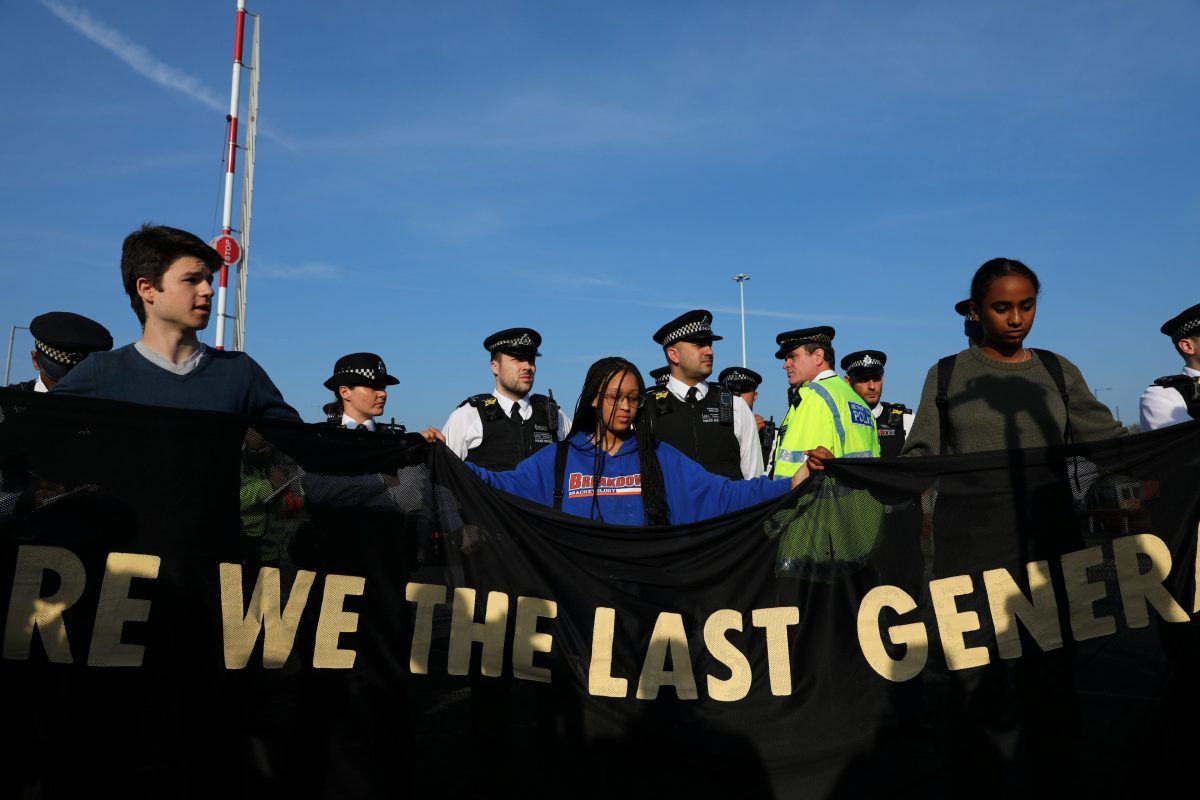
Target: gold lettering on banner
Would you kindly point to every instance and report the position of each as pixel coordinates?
(737, 685)
(775, 622)
(116, 607)
(335, 620)
(601, 682)
(426, 596)
(952, 623)
(27, 611)
(1139, 588)
(668, 636)
(241, 631)
(527, 640)
(1082, 595)
(1196, 574)
(465, 631)
(1038, 612)
(912, 635)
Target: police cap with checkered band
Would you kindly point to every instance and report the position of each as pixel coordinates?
(692, 326)
(360, 369)
(62, 339)
(740, 380)
(1182, 325)
(790, 340)
(520, 342)
(864, 364)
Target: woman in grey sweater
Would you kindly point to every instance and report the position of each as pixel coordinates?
(1003, 395)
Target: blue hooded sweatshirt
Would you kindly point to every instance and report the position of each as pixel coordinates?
(693, 493)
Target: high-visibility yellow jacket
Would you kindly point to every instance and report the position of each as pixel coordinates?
(828, 414)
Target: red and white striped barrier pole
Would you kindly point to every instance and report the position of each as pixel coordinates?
(230, 164)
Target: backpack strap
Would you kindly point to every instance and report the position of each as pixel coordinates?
(1054, 367)
(560, 472)
(945, 369)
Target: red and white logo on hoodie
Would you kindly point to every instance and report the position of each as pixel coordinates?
(580, 485)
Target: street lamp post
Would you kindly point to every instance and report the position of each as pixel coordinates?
(741, 279)
(8, 359)
(1096, 394)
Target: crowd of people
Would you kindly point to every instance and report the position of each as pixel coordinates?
(678, 450)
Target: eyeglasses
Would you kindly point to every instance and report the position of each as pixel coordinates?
(634, 400)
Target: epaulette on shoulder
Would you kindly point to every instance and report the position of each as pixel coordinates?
(1175, 381)
(487, 405)
(661, 404)
(477, 400)
(903, 409)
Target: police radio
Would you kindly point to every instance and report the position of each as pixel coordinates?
(725, 413)
(552, 410)
(390, 427)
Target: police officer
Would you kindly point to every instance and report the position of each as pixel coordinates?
(864, 373)
(743, 382)
(1176, 398)
(499, 430)
(972, 328)
(359, 385)
(827, 412)
(61, 340)
(702, 420)
(659, 376)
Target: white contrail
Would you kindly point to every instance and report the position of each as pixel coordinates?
(141, 60)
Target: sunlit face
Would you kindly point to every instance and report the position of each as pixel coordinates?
(802, 366)
(185, 299)
(749, 397)
(514, 374)
(869, 389)
(691, 361)
(361, 403)
(1007, 311)
(617, 404)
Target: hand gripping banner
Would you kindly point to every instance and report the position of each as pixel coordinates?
(202, 605)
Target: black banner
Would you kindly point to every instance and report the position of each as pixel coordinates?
(197, 606)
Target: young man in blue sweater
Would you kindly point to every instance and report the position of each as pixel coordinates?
(167, 274)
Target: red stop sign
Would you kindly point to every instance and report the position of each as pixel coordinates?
(228, 248)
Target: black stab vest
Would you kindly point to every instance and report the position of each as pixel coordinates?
(703, 432)
(890, 427)
(507, 442)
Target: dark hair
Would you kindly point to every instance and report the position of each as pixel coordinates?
(150, 250)
(812, 347)
(989, 271)
(335, 408)
(599, 376)
(1195, 337)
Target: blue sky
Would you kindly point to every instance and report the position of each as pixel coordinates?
(430, 173)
